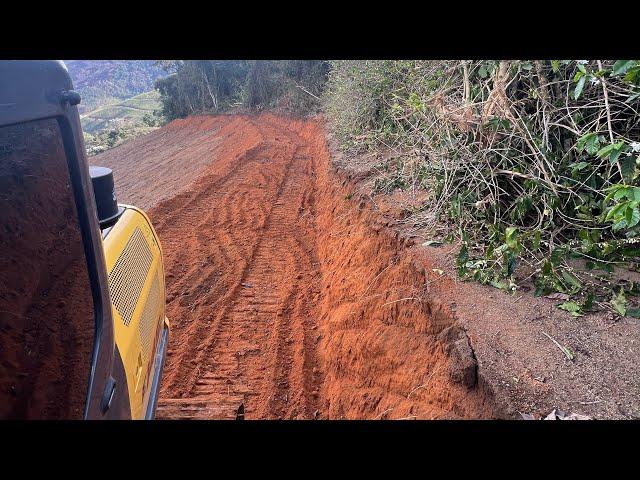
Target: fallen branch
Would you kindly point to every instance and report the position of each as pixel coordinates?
(387, 410)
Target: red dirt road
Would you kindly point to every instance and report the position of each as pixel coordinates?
(240, 252)
(285, 295)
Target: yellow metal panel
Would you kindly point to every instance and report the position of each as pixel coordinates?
(136, 284)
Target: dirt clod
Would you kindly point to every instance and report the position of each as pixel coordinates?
(463, 366)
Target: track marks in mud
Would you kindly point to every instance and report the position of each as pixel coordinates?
(285, 293)
(241, 266)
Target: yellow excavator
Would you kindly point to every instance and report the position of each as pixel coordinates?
(83, 331)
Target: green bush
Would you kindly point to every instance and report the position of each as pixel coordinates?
(530, 164)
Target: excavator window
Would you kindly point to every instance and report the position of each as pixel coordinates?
(47, 322)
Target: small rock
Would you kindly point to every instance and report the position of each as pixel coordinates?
(463, 366)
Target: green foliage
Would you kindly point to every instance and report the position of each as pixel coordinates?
(619, 303)
(589, 143)
(201, 86)
(621, 207)
(111, 137)
(572, 307)
(532, 165)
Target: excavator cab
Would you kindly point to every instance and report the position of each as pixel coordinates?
(83, 332)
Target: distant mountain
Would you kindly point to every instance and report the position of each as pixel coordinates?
(103, 82)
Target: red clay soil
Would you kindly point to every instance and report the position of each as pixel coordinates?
(242, 269)
(284, 296)
(154, 167)
(294, 292)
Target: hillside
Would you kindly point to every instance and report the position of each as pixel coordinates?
(113, 124)
(102, 82)
(131, 110)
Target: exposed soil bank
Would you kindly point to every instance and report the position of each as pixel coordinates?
(390, 348)
(527, 372)
(292, 293)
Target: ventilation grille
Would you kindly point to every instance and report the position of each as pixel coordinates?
(149, 319)
(127, 277)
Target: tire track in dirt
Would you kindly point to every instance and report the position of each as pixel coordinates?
(246, 283)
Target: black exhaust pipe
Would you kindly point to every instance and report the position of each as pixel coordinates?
(105, 194)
